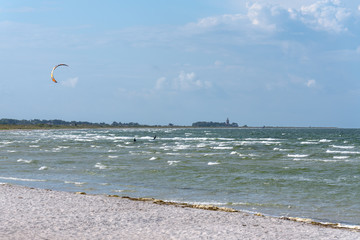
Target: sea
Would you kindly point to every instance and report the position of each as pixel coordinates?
(283, 172)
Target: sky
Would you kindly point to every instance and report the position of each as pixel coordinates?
(272, 63)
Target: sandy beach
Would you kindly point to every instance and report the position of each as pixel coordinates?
(27, 213)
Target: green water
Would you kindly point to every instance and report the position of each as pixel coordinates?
(310, 173)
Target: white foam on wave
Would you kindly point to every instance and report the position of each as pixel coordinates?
(222, 148)
(206, 203)
(59, 148)
(11, 151)
(100, 166)
(83, 140)
(343, 147)
(201, 145)
(22, 179)
(210, 154)
(265, 142)
(341, 157)
(172, 162)
(280, 149)
(34, 146)
(152, 158)
(342, 152)
(43, 168)
(333, 160)
(25, 161)
(113, 156)
(309, 143)
(262, 139)
(181, 147)
(213, 163)
(75, 183)
(297, 155)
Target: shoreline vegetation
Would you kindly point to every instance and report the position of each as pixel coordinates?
(15, 124)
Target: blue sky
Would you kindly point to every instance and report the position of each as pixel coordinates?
(278, 63)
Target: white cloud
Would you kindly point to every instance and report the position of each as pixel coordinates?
(327, 15)
(323, 15)
(183, 82)
(259, 16)
(188, 81)
(71, 82)
(211, 23)
(310, 83)
(160, 83)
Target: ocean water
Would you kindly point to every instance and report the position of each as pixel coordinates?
(307, 173)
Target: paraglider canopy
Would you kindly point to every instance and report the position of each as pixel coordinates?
(52, 72)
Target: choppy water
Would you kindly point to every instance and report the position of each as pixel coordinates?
(310, 173)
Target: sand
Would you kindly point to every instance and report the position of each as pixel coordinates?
(27, 213)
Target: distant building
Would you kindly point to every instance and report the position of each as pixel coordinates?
(215, 124)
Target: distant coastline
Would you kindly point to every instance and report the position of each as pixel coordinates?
(9, 124)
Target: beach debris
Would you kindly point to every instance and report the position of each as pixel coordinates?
(52, 72)
(324, 224)
(81, 193)
(183, 205)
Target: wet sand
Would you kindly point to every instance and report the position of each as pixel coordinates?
(27, 213)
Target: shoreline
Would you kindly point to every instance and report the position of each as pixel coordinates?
(38, 213)
(4, 127)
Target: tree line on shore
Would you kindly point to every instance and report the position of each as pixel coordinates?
(37, 123)
(57, 122)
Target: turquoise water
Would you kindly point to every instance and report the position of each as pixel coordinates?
(308, 173)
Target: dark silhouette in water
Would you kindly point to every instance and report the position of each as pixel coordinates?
(154, 137)
(134, 139)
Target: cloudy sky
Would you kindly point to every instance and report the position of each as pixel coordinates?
(274, 62)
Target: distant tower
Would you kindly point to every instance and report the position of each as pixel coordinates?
(227, 121)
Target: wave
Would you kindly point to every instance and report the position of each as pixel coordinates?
(22, 179)
(309, 142)
(213, 163)
(100, 166)
(341, 157)
(43, 168)
(172, 162)
(222, 148)
(75, 183)
(25, 161)
(281, 150)
(343, 147)
(298, 155)
(342, 152)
